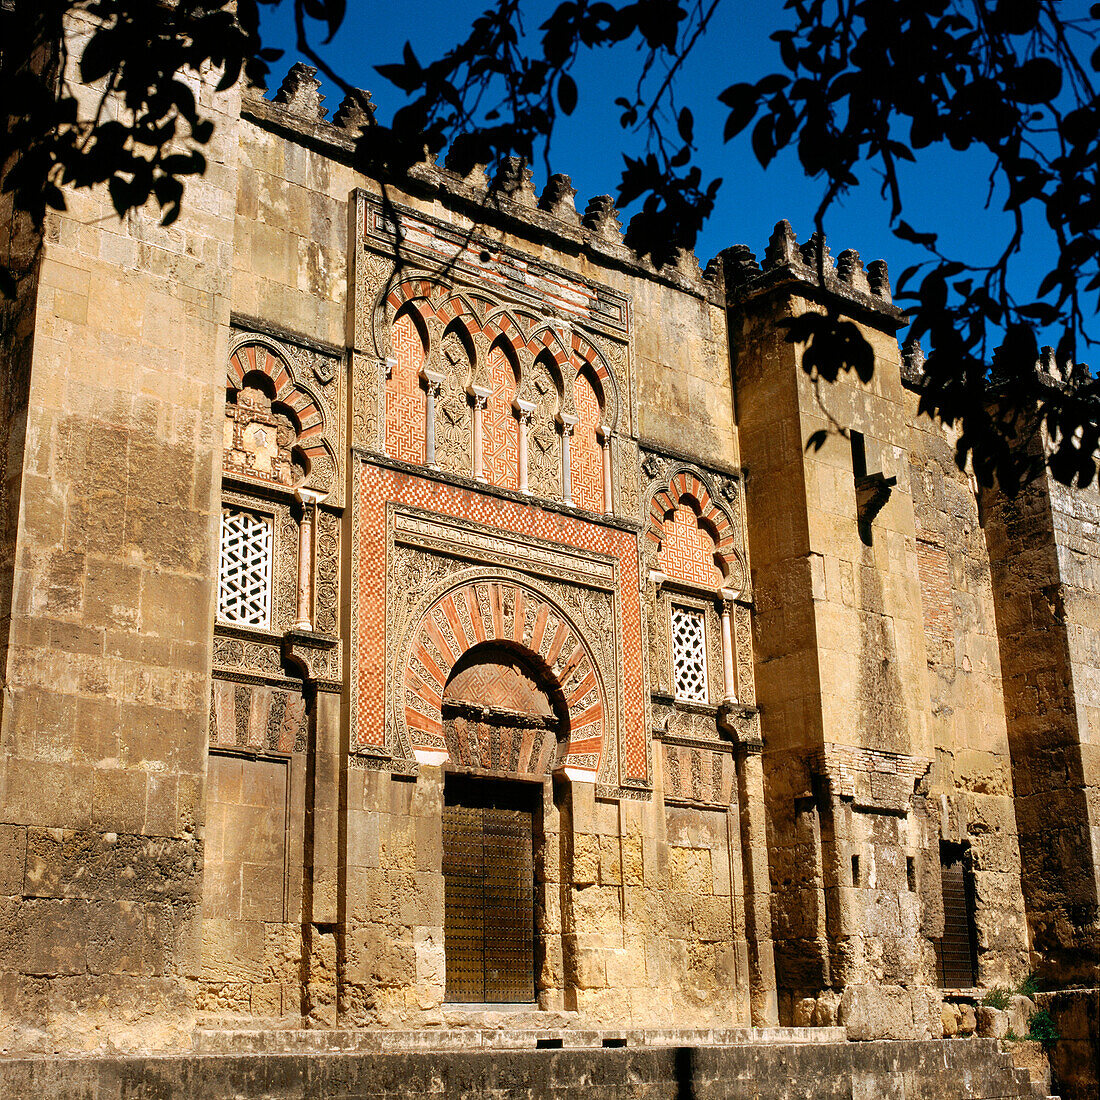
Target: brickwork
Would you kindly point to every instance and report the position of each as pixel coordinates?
(499, 423)
(491, 611)
(587, 457)
(687, 551)
(377, 486)
(405, 401)
(933, 565)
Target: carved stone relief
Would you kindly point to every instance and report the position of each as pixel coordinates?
(418, 576)
(257, 717)
(367, 395)
(285, 572)
(453, 431)
(624, 459)
(715, 675)
(543, 440)
(660, 663)
(618, 412)
(742, 641)
(261, 440)
(244, 655)
(372, 273)
(326, 604)
(559, 622)
(695, 774)
(322, 664)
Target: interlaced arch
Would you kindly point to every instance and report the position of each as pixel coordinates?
(692, 534)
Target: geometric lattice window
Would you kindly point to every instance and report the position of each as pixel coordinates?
(244, 569)
(689, 654)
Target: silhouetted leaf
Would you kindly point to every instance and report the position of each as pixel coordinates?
(567, 93)
(907, 233)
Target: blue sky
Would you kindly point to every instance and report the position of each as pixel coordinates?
(944, 192)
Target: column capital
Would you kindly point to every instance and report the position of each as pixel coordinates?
(390, 365)
(479, 395)
(309, 497)
(523, 409)
(567, 422)
(728, 596)
(433, 379)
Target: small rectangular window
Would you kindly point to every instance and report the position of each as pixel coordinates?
(244, 569)
(689, 654)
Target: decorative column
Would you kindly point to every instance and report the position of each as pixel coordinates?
(603, 437)
(432, 382)
(524, 410)
(567, 423)
(479, 395)
(309, 499)
(730, 696)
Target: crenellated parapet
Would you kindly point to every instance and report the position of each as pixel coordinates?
(509, 195)
(809, 269)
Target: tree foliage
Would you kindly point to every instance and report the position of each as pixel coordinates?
(860, 86)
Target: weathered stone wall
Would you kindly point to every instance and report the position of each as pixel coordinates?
(639, 916)
(946, 1070)
(618, 943)
(252, 939)
(1043, 552)
(107, 667)
(1075, 1057)
(839, 646)
(970, 785)
(845, 713)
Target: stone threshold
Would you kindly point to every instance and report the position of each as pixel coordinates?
(503, 1037)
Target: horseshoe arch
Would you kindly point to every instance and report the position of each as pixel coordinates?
(510, 612)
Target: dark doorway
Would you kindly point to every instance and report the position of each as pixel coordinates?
(957, 952)
(489, 890)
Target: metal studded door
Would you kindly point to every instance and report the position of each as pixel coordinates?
(488, 877)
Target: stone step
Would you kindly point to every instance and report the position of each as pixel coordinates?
(971, 1069)
(210, 1040)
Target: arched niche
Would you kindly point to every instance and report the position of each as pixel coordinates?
(692, 536)
(405, 398)
(504, 712)
(499, 424)
(587, 475)
(274, 429)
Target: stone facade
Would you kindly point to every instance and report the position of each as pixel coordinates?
(340, 515)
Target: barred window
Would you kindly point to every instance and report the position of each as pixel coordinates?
(244, 568)
(689, 654)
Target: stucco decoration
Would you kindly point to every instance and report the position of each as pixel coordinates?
(302, 403)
